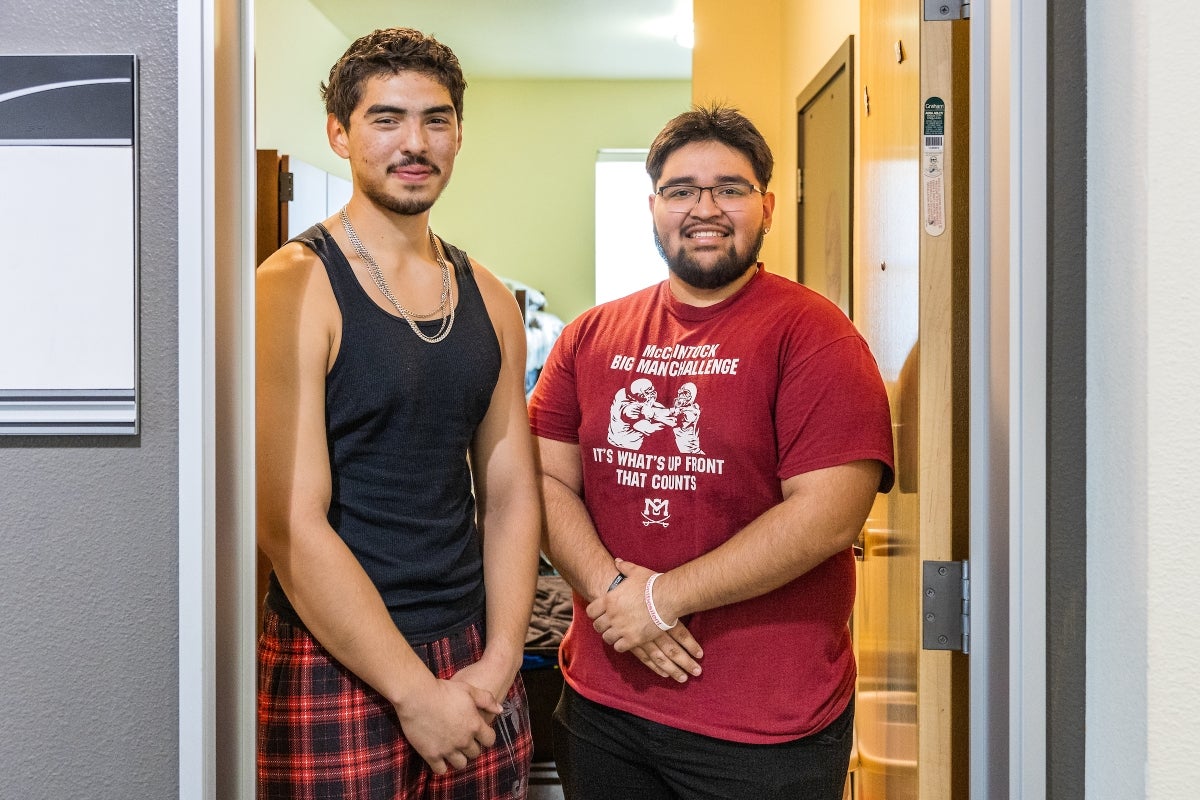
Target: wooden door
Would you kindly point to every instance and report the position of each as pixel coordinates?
(271, 209)
(825, 179)
(271, 224)
(910, 283)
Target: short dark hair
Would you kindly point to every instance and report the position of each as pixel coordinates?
(390, 51)
(714, 123)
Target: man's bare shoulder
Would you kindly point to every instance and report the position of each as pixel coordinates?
(292, 276)
(495, 293)
(293, 284)
(291, 263)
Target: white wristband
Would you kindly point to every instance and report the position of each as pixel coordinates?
(662, 626)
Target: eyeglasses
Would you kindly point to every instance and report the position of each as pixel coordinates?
(681, 198)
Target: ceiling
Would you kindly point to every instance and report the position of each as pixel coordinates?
(531, 39)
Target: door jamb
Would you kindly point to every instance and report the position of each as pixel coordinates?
(1008, 400)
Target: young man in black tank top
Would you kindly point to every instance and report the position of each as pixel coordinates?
(403, 575)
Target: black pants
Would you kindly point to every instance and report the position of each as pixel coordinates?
(605, 754)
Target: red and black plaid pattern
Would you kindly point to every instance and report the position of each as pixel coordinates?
(323, 734)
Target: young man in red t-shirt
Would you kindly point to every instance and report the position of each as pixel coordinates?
(710, 448)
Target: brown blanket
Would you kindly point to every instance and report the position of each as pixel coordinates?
(551, 612)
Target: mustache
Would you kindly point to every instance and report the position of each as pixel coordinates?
(410, 161)
(687, 229)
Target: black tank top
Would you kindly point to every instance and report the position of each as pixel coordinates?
(400, 415)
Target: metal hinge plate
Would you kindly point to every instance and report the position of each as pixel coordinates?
(938, 10)
(286, 187)
(946, 605)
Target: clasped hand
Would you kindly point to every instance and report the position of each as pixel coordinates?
(450, 724)
(621, 618)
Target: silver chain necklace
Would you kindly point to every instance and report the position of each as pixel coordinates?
(445, 305)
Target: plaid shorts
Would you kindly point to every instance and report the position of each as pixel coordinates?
(323, 734)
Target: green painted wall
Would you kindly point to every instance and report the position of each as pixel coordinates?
(520, 201)
(294, 47)
(521, 198)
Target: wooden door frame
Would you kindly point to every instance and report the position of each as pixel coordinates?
(943, 377)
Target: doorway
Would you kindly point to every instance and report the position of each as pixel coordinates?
(987, 228)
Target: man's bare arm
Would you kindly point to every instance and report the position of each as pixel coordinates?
(821, 514)
(296, 333)
(573, 546)
(509, 514)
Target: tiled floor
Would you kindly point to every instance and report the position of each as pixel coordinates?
(543, 782)
(538, 792)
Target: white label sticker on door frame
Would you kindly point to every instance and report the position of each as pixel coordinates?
(933, 154)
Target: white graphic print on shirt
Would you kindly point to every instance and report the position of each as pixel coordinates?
(635, 415)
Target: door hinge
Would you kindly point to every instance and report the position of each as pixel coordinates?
(286, 187)
(939, 10)
(946, 605)
(799, 185)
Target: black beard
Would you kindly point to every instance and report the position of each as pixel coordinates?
(408, 206)
(728, 268)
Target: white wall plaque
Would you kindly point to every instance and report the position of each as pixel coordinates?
(68, 274)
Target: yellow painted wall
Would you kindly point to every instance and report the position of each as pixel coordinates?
(737, 61)
(521, 197)
(759, 56)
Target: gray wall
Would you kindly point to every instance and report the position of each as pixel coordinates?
(88, 525)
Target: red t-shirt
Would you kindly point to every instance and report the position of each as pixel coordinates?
(687, 419)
